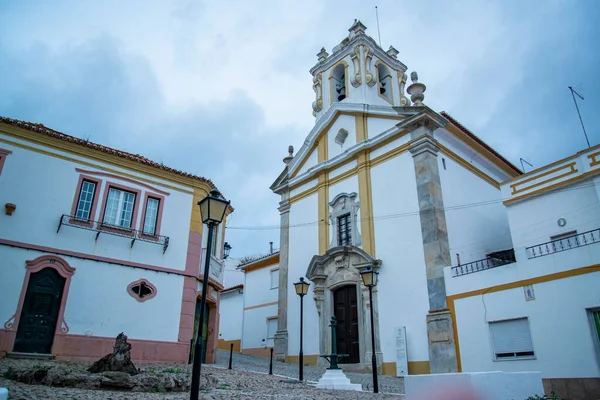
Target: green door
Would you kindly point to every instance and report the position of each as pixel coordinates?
(204, 332)
(39, 315)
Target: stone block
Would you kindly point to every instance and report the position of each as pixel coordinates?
(336, 379)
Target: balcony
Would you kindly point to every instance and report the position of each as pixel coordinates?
(564, 244)
(101, 228)
(492, 260)
(216, 267)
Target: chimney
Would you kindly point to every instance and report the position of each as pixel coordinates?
(271, 247)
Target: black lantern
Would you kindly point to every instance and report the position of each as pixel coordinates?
(212, 211)
(369, 277)
(301, 290)
(227, 249)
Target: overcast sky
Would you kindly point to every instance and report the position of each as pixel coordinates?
(220, 89)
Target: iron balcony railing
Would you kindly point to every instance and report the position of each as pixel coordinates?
(493, 260)
(99, 227)
(564, 244)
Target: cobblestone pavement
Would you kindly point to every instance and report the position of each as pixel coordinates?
(235, 385)
(244, 362)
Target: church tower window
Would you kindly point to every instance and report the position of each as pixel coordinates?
(384, 80)
(344, 230)
(338, 80)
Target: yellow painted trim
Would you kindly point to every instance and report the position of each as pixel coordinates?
(226, 345)
(98, 156)
(195, 218)
(390, 154)
(273, 303)
(331, 86)
(305, 160)
(507, 286)
(592, 157)
(323, 212)
(481, 149)
(419, 368)
(360, 122)
(92, 165)
(343, 176)
(308, 359)
(272, 317)
(323, 149)
(258, 351)
(551, 187)
(468, 166)
(366, 204)
(262, 263)
(296, 198)
(388, 368)
(572, 170)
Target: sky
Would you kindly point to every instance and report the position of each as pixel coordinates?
(221, 89)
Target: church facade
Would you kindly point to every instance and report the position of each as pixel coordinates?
(381, 181)
(96, 241)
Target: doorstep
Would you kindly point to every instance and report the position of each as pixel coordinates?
(29, 356)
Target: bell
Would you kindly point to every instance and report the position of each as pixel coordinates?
(382, 87)
(342, 93)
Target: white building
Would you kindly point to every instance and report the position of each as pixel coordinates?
(261, 289)
(381, 181)
(231, 310)
(542, 312)
(95, 241)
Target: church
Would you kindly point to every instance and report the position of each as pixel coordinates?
(381, 181)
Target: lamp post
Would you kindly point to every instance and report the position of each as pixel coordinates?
(212, 211)
(301, 290)
(369, 277)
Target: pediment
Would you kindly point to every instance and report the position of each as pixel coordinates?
(337, 258)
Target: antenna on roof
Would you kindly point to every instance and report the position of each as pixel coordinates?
(522, 166)
(573, 93)
(378, 32)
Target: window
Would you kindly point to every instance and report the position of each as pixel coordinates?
(141, 290)
(86, 200)
(595, 325)
(511, 339)
(384, 81)
(339, 83)
(344, 233)
(151, 216)
(275, 278)
(119, 208)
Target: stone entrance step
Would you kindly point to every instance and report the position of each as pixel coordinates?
(29, 356)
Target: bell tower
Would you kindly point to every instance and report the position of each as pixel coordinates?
(358, 71)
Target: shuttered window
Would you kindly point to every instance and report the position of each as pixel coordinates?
(511, 339)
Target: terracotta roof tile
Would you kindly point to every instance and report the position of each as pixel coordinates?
(240, 286)
(41, 129)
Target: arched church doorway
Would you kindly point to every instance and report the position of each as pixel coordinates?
(40, 311)
(345, 309)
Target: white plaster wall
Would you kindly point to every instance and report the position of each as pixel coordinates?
(390, 146)
(304, 244)
(377, 126)
(347, 122)
(44, 188)
(311, 161)
(402, 289)
(231, 314)
(255, 326)
(534, 220)
(299, 189)
(257, 289)
(340, 170)
(98, 303)
(475, 216)
(560, 330)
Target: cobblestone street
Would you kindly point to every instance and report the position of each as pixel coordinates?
(240, 383)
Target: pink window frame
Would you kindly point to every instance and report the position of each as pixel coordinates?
(136, 207)
(92, 218)
(161, 200)
(3, 154)
(135, 296)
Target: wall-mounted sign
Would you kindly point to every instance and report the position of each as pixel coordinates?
(401, 354)
(529, 294)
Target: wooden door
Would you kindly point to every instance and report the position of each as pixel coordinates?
(39, 315)
(346, 313)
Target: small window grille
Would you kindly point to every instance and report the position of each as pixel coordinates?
(344, 230)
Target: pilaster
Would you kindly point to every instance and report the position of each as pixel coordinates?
(434, 232)
(281, 336)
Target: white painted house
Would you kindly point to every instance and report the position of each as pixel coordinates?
(542, 312)
(231, 309)
(95, 241)
(381, 181)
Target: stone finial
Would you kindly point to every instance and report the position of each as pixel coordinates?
(357, 28)
(416, 90)
(290, 156)
(392, 52)
(322, 55)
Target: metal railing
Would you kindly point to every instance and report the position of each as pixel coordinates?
(564, 244)
(99, 227)
(492, 261)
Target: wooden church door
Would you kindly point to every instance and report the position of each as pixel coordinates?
(346, 314)
(39, 315)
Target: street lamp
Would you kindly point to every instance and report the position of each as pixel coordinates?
(212, 211)
(301, 290)
(227, 248)
(369, 277)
